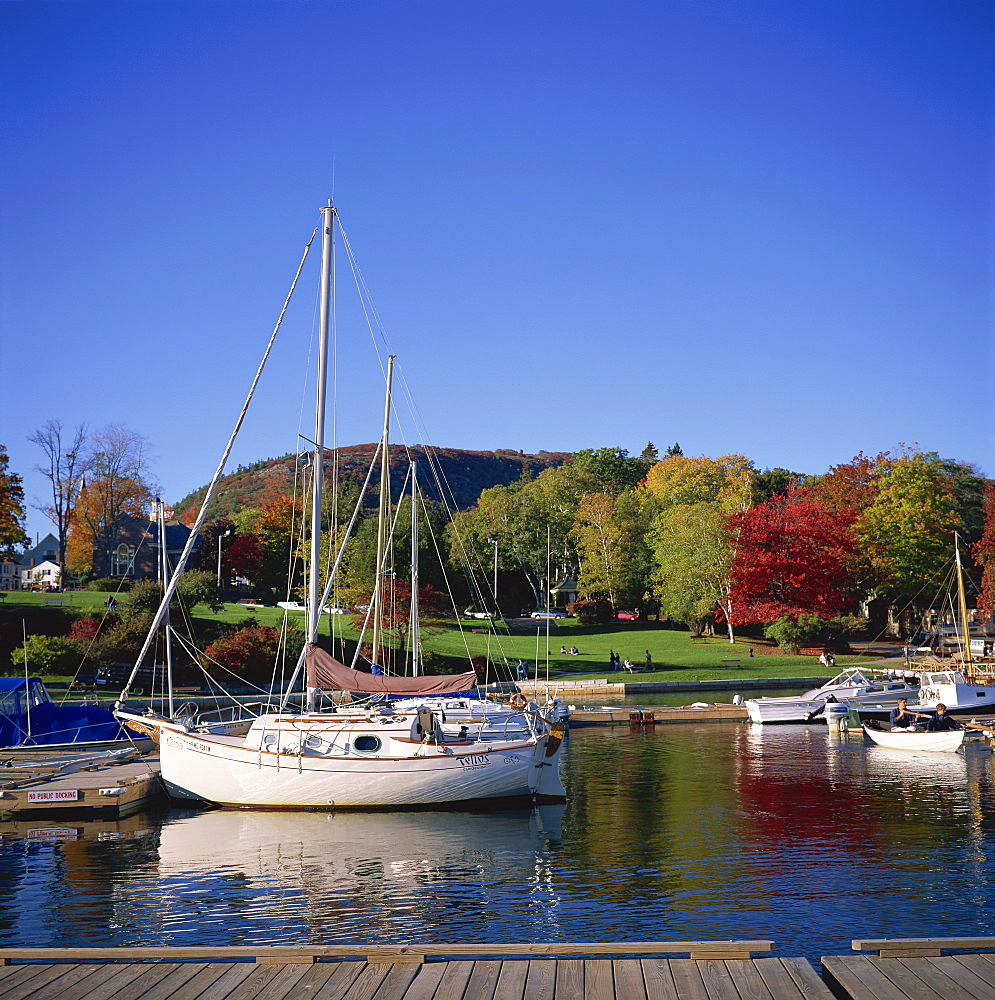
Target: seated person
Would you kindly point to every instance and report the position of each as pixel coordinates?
(901, 718)
(941, 722)
(573, 651)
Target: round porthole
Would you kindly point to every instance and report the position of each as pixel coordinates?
(366, 744)
(314, 742)
(269, 739)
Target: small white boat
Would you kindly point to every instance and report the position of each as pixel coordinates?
(911, 739)
(849, 685)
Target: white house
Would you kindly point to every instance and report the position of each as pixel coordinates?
(42, 575)
(39, 567)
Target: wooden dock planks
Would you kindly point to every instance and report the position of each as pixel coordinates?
(463, 979)
(950, 977)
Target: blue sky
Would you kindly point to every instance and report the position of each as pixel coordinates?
(759, 227)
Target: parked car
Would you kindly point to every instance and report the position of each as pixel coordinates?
(549, 614)
(331, 609)
(626, 616)
(291, 605)
(251, 602)
(478, 614)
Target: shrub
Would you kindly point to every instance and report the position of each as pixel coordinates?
(107, 584)
(589, 612)
(793, 633)
(47, 654)
(249, 652)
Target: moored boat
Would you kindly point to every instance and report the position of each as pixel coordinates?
(852, 684)
(370, 754)
(911, 739)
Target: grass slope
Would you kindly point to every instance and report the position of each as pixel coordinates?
(675, 657)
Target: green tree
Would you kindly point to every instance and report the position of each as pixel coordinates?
(12, 534)
(692, 548)
(907, 530)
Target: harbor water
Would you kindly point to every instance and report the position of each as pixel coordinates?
(671, 833)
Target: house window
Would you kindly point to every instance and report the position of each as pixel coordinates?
(121, 560)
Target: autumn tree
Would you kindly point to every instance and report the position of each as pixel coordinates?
(984, 554)
(791, 559)
(279, 566)
(118, 484)
(65, 463)
(12, 534)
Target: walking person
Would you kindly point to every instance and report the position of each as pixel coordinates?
(649, 661)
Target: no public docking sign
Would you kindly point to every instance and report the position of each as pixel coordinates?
(54, 795)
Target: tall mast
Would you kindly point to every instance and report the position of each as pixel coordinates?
(160, 510)
(383, 517)
(317, 469)
(966, 647)
(414, 571)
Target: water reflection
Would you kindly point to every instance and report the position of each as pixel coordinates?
(695, 831)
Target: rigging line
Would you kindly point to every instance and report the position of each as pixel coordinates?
(334, 574)
(209, 495)
(187, 647)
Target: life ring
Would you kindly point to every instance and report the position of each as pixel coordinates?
(519, 700)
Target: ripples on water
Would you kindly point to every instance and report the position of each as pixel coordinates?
(682, 833)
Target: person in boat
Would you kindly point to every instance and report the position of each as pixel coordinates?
(901, 718)
(941, 722)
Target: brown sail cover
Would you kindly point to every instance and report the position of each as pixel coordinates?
(324, 671)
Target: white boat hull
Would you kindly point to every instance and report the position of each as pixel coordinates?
(948, 742)
(224, 771)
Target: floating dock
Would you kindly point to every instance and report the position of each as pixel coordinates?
(651, 715)
(623, 970)
(96, 785)
(464, 972)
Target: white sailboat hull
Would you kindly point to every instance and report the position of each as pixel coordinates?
(948, 742)
(226, 772)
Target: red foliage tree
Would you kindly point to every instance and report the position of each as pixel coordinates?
(791, 558)
(243, 555)
(984, 553)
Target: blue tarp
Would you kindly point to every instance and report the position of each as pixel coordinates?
(49, 723)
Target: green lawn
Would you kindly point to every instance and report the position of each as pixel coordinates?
(675, 656)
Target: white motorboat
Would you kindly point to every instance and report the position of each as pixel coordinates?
(852, 684)
(370, 755)
(912, 739)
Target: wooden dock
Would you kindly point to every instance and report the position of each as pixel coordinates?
(650, 715)
(622, 970)
(95, 785)
(914, 969)
(403, 974)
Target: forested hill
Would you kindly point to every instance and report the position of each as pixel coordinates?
(466, 474)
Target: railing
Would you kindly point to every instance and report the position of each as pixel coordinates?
(922, 947)
(416, 953)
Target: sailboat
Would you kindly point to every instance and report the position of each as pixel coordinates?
(374, 755)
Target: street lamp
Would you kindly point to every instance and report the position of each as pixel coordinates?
(225, 535)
